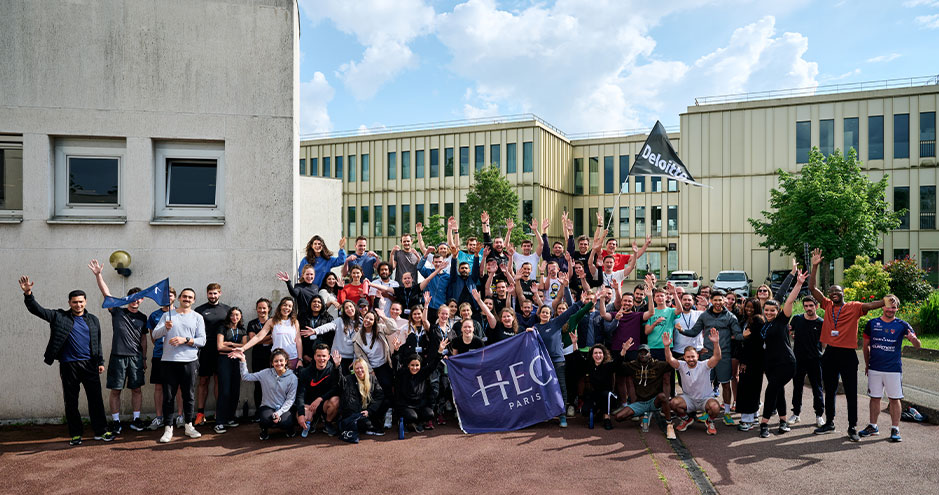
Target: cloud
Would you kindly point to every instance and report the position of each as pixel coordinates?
(883, 58)
(315, 96)
(928, 21)
(840, 77)
(921, 3)
(384, 28)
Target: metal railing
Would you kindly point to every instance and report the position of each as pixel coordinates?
(443, 124)
(927, 220)
(618, 133)
(907, 82)
(927, 148)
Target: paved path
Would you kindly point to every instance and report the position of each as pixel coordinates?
(920, 385)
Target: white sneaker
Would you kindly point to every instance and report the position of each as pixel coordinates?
(570, 411)
(179, 421)
(388, 419)
(794, 419)
(167, 434)
(670, 432)
(191, 431)
(819, 421)
(155, 424)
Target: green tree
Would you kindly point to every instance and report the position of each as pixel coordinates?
(831, 205)
(492, 193)
(434, 232)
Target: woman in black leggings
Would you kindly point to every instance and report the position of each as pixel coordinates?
(780, 361)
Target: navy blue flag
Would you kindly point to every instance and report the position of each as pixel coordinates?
(505, 386)
(159, 292)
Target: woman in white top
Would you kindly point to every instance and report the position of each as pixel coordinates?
(329, 291)
(343, 329)
(284, 330)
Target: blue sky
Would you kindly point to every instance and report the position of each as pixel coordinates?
(589, 65)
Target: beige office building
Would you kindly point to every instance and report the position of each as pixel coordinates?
(396, 177)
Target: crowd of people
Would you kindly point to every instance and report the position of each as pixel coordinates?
(366, 349)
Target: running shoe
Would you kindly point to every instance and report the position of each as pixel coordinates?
(114, 427)
(377, 432)
(200, 418)
(388, 419)
(292, 432)
(711, 429)
(76, 440)
(794, 419)
(819, 421)
(645, 422)
(871, 430)
(331, 429)
(429, 425)
(607, 424)
(416, 427)
(167, 434)
(570, 411)
(764, 430)
(825, 428)
(191, 431)
(733, 407)
(155, 424)
(783, 427)
(264, 435)
(745, 426)
(852, 434)
(105, 437)
(670, 431)
(441, 420)
(894, 435)
(232, 424)
(219, 428)
(684, 423)
(137, 424)
(180, 421)
(703, 418)
(729, 421)
(306, 431)
(563, 421)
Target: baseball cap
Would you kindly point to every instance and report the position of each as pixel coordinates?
(363, 302)
(644, 347)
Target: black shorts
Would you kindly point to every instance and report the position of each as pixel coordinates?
(156, 373)
(208, 362)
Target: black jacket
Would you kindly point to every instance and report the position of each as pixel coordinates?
(350, 400)
(414, 391)
(303, 293)
(61, 323)
(314, 384)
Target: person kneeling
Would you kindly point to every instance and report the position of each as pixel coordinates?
(278, 392)
(317, 390)
(414, 396)
(696, 384)
(646, 381)
(360, 398)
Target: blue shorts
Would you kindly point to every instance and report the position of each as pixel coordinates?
(640, 408)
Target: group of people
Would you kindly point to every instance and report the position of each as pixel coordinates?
(359, 351)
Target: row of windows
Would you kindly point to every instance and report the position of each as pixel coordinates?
(323, 166)
(927, 206)
(638, 221)
(610, 180)
(875, 136)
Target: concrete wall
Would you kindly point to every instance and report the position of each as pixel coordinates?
(145, 72)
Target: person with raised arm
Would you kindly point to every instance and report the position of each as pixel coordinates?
(413, 393)
(302, 292)
(554, 251)
(501, 328)
(322, 259)
(645, 379)
(404, 258)
(156, 371)
(696, 384)
(362, 258)
(284, 330)
(527, 254)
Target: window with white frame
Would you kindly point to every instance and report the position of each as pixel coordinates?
(88, 179)
(189, 182)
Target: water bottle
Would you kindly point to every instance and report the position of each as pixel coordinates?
(400, 428)
(590, 420)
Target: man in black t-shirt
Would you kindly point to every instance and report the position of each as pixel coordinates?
(214, 314)
(127, 361)
(806, 331)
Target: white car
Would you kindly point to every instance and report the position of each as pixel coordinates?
(733, 280)
(687, 280)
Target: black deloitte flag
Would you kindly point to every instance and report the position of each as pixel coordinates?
(657, 157)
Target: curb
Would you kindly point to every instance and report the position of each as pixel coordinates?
(922, 354)
(932, 414)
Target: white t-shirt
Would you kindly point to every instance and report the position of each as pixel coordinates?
(385, 303)
(518, 259)
(284, 336)
(696, 382)
(608, 278)
(552, 291)
(687, 320)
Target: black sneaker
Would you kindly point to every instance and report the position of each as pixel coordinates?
(764, 430)
(75, 441)
(137, 425)
(114, 427)
(264, 435)
(784, 427)
(825, 429)
(417, 428)
(852, 434)
(377, 432)
(219, 428)
(607, 424)
(331, 429)
(871, 430)
(291, 433)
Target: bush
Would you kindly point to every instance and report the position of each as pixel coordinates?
(929, 314)
(865, 281)
(908, 280)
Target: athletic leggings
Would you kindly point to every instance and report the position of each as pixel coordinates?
(184, 376)
(266, 416)
(560, 371)
(839, 361)
(385, 380)
(229, 389)
(415, 415)
(774, 399)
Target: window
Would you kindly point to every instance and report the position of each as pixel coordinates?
(314, 167)
(826, 137)
(851, 134)
(326, 167)
(624, 173)
(624, 221)
(640, 184)
(657, 220)
(189, 181)
(379, 231)
(899, 254)
(434, 209)
(527, 156)
(392, 166)
(479, 153)
(594, 186)
(447, 210)
(419, 213)
(592, 220)
(927, 207)
(901, 201)
(608, 175)
(510, 157)
(303, 166)
(650, 262)
(672, 261)
(338, 167)
(656, 184)
(672, 185)
(495, 155)
(448, 162)
(405, 164)
(419, 164)
(464, 160)
(350, 218)
(803, 141)
(11, 175)
(608, 220)
(392, 221)
(405, 219)
(364, 177)
(365, 226)
(672, 220)
(88, 178)
(578, 176)
(930, 260)
(927, 134)
(434, 163)
(578, 221)
(352, 166)
(875, 137)
(640, 221)
(901, 135)
(528, 211)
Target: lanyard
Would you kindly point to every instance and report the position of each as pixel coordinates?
(763, 331)
(835, 319)
(687, 321)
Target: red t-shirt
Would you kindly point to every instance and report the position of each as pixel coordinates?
(353, 292)
(844, 320)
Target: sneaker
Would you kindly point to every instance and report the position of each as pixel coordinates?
(894, 435)
(429, 425)
(783, 428)
(264, 435)
(137, 424)
(441, 420)
(167, 434)
(570, 411)
(306, 431)
(764, 430)
(114, 427)
(292, 432)
(232, 424)
(745, 426)
(703, 418)
(155, 424)
(794, 419)
(869, 431)
(106, 436)
(824, 429)
(670, 431)
(191, 431)
(729, 421)
(388, 419)
(331, 429)
(684, 423)
(563, 421)
(200, 419)
(219, 428)
(852, 434)
(607, 424)
(711, 429)
(180, 421)
(644, 426)
(819, 421)
(376, 432)
(76, 440)
(733, 407)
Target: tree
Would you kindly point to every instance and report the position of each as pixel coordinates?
(908, 280)
(492, 193)
(434, 232)
(831, 205)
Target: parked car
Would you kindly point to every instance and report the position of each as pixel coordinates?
(733, 280)
(689, 281)
(775, 279)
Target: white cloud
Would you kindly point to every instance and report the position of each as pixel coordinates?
(487, 109)
(384, 27)
(315, 96)
(928, 21)
(883, 58)
(921, 3)
(828, 79)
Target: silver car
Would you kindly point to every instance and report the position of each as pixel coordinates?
(733, 280)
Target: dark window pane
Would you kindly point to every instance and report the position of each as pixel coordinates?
(495, 153)
(899, 254)
(365, 220)
(578, 175)
(95, 180)
(364, 168)
(901, 135)
(901, 201)
(527, 158)
(656, 184)
(624, 221)
(352, 166)
(435, 163)
(640, 221)
(578, 221)
(875, 137)
(464, 160)
(592, 220)
(350, 218)
(378, 221)
(447, 211)
(608, 175)
(527, 212)
(405, 164)
(672, 220)
(405, 218)
(326, 167)
(392, 166)
(640, 184)
(594, 186)
(930, 260)
(657, 220)
(338, 167)
(927, 207)
(826, 137)
(392, 220)
(314, 167)
(480, 156)
(803, 141)
(434, 210)
(927, 134)
(448, 162)
(851, 134)
(303, 166)
(624, 173)
(419, 213)
(419, 164)
(510, 157)
(608, 221)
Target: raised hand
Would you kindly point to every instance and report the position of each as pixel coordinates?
(533, 225)
(509, 223)
(396, 343)
(443, 345)
(569, 225)
(95, 267)
(713, 336)
(337, 359)
(427, 297)
(307, 332)
(802, 276)
(484, 217)
(451, 222)
(563, 278)
(418, 228)
(795, 266)
(816, 256)
(666, 340)
(395, 249)
(26, 285)
(283, 277)
(635, 248)
(545, 224)
(599, 218)
(342, 243)
(626, 346)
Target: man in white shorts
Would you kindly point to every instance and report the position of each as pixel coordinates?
(697, 393)
(883, 340)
